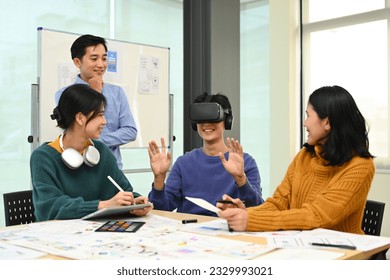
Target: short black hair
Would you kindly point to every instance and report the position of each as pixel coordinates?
(78, 47)
(219, 98)
(78, 98)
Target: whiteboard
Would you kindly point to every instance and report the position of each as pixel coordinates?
(141, 70)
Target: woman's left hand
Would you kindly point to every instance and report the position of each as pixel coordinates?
(142, 211)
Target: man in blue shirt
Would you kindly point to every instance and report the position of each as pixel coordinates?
(209, 172)
(89, 54)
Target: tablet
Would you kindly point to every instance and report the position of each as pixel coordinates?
(114, 211)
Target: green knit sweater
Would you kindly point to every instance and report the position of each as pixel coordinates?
(313, 195)
(62, 193)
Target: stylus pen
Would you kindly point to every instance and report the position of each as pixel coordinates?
(115, 183)
(228, 202)
(341, 246)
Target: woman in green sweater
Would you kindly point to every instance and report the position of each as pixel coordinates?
(70, 174)
(327, 183)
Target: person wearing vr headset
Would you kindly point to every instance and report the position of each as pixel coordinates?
(70, 174)
(327, 183)
(89, 54)
(215, 169)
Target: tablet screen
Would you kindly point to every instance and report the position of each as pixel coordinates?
(106, 212)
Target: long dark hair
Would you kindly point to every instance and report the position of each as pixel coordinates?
(348, 135)
(78, 98)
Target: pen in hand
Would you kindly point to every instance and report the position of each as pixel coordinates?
(228, 201)
(117, 186)
(115, 183)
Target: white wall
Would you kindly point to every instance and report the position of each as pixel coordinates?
(284, 87)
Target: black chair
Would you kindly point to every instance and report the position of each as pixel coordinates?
(18, 208)
(372, 223)
(372, 218)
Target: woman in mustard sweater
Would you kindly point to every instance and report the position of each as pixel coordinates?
(327, 183)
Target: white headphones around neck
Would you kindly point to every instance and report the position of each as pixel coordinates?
(74, 160)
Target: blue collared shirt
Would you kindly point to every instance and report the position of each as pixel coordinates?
(120, 128)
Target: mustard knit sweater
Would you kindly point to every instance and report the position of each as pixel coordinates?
(313, 195)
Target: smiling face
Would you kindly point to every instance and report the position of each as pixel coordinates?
(93, 64)
(95, 126)
(211, 132)
(316, 128)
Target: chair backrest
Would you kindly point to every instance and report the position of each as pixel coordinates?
(18, 208)
(372, 218)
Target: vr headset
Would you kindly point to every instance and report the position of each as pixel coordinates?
(210, 112)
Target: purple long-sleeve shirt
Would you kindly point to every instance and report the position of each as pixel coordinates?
(196, 174)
